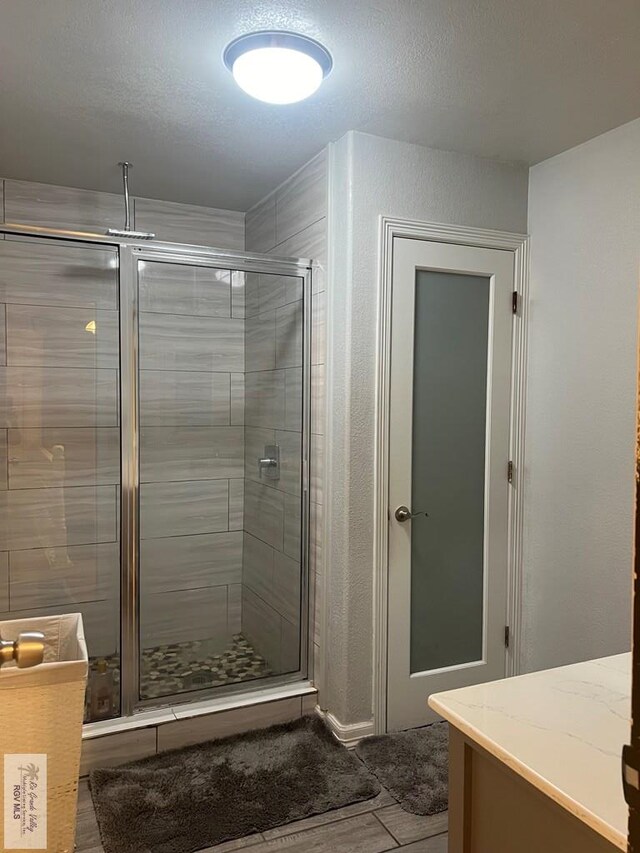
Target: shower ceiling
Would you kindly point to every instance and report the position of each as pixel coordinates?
(86, 83)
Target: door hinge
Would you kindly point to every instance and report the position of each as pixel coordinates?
(514, 302)
(510, 472)
(507, 636)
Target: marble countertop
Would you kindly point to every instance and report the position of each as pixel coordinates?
(561, 729)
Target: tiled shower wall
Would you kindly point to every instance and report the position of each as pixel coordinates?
(191, 454)
(192, 448)
(291, 221)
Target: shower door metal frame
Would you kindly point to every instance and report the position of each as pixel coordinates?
(130, 253)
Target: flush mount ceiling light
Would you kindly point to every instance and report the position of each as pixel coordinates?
(277, 67)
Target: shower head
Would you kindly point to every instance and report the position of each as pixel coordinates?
(126, 231)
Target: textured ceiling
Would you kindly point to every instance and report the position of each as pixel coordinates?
(85, 83)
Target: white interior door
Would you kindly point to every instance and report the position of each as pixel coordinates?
(451, 356)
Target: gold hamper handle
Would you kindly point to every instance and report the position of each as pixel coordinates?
(27, 650)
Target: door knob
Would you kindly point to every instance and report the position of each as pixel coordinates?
(403, 513)
(27, 650)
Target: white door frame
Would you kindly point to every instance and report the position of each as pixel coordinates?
(519, 245)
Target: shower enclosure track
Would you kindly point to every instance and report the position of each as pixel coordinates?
(130, 252)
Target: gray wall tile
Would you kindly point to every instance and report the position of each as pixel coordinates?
(188, 223)
(36, 273)
(293, 399)
(63, 456)
(290, 646)
(316, 469)
(264, 513)
(289, 335)
(4, 581)
(58, 337)
(302, 200)
(234, 608)
(260, 341)
(262, 626)
(310, 243)
(236, 504)
(170, 288)
(180, 509)
(274, 291)
(101, 621)
(190, 562)
(183, 615)
(177, 342)
(49, 517)
(43, 577)
(238, 294)
(264, 400)
(285, 588)
(53, 397)
(257, 565)
(111, 750)
(3, 336)
(255, 441)
(290, 444)
(260, 225)
(185, 398)
(4, 460)
(29, 203)
(292, 521)
(191, 453)
(224, 723)
(237, 399)
(251, 294)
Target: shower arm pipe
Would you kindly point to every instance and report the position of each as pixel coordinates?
(125, 165)
(127, 231)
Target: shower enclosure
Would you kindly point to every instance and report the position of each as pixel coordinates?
(155, 410)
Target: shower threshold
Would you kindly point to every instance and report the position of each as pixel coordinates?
(186, 679)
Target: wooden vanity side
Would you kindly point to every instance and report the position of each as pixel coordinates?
(494, 810)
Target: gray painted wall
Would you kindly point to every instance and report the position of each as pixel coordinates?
(370, 176)
(584, 220)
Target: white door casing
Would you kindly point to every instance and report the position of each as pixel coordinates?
(406, 692)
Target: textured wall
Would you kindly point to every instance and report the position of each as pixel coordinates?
(370, 176)
(584, 220)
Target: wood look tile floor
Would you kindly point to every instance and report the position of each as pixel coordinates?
(370, 827)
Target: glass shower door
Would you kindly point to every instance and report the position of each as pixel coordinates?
(220, 388)
(60, 445)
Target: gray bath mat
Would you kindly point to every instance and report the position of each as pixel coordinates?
(413, 765)
(192, 798)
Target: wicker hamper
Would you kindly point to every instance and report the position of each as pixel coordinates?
(41, 736)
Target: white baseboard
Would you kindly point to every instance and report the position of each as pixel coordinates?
(348, 734)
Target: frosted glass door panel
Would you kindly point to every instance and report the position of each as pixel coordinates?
(448, 469)
(60, 445)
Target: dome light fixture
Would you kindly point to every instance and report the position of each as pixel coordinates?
(277, 67)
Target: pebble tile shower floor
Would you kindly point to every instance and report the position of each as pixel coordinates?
(182, 667)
